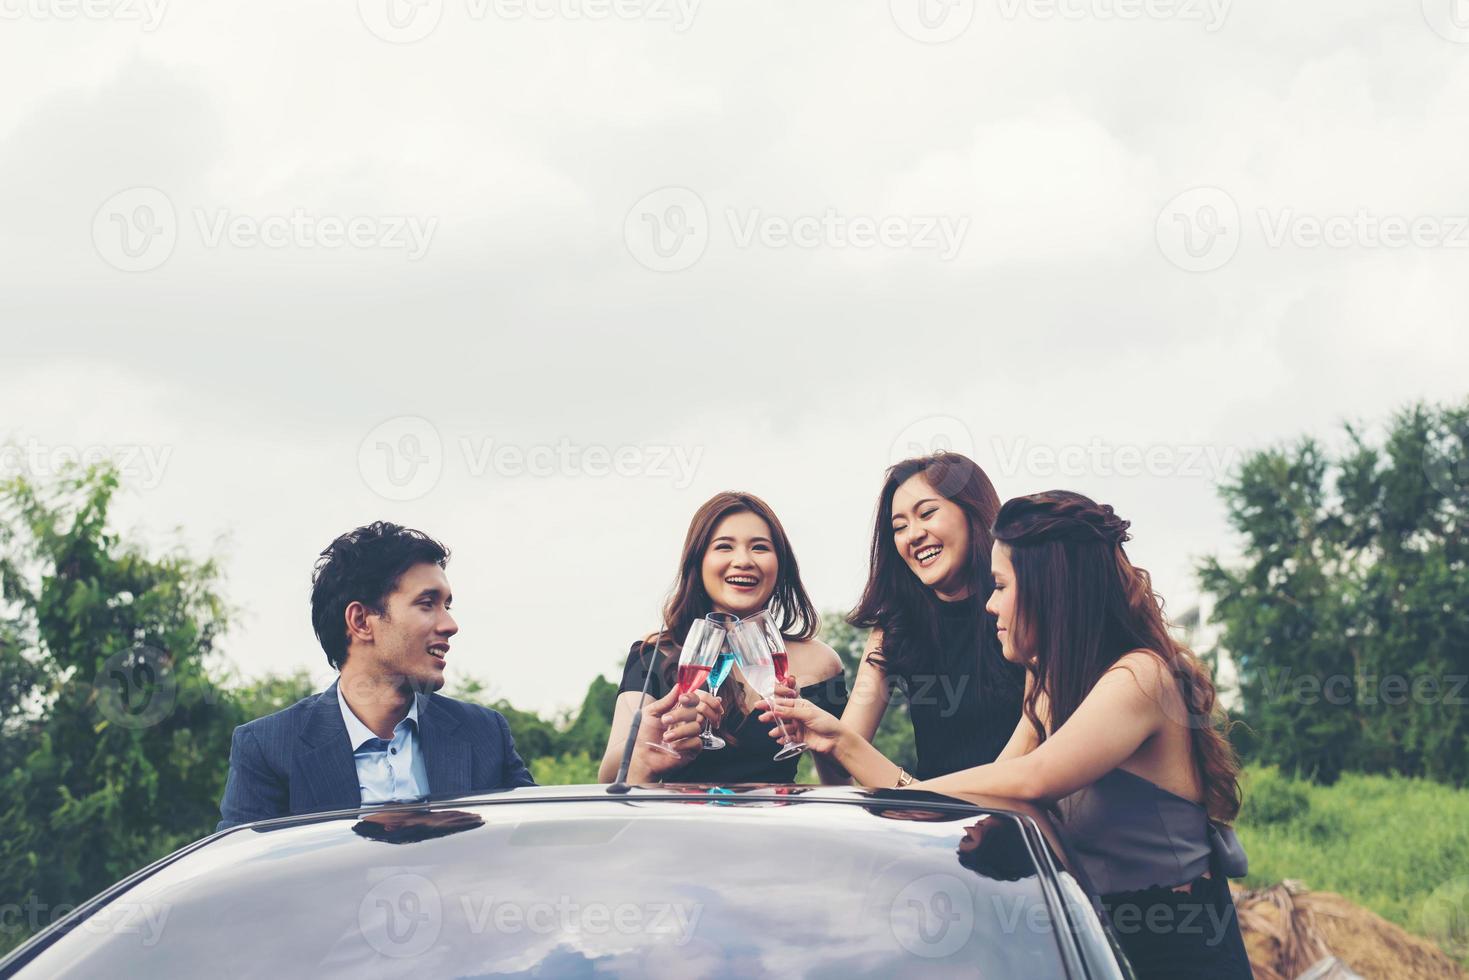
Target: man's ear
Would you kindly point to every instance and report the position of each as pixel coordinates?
(359, 627)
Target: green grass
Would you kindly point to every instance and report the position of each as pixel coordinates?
(1397, 846)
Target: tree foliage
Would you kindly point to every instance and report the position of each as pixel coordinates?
(113, 731)
(1348, 616)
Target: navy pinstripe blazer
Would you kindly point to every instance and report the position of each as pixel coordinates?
(298, 760)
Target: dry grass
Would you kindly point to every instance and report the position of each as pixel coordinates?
(1287, 930)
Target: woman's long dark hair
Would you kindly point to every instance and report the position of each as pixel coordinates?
(905, 609)
(1081, 606)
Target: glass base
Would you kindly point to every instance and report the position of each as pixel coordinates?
(711, 742)
(790, 751)
(658, 747)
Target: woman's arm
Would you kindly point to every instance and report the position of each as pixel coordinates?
(622, 713)
(866, 704)
(674, 721)
(1024, 739)
(869, 697)
(1122, 712)
(819, 664)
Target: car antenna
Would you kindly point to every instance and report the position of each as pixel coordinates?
(619, 785)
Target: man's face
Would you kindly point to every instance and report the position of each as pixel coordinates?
(411, 641)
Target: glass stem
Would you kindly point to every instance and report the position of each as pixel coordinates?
(781, 725)
(714, 693)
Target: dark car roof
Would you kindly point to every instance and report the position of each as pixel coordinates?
(678, 879)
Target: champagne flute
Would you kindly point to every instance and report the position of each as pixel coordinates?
(722, 667)
(757, 661)
(701, 648)
(777, 641)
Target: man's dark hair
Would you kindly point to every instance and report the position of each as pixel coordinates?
(364, 565)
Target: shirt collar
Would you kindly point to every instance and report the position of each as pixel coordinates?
(357, 732)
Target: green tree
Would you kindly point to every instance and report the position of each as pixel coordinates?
(114, 736)
(1348, 617)
(565, 750)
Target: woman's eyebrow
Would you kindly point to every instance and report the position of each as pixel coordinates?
(925, 500)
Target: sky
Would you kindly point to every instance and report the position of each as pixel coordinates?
(540, 276)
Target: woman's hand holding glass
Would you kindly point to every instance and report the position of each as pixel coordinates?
(674, 722)
(687, 716)
(820, 730)
(701, 649)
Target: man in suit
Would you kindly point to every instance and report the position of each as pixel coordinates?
(380, 607)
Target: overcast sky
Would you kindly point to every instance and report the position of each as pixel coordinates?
(539, 276)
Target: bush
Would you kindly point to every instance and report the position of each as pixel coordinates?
(568, 769)
(1272, 798)
(1399, 846)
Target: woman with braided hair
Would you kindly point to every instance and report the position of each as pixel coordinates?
(1119, 731)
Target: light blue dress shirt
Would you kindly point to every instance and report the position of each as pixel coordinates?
(387, 771)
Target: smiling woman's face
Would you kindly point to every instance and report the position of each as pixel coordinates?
(740, 565)
(932, 534)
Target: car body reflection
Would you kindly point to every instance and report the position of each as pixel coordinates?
(677, 881)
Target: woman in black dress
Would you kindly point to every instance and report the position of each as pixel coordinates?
(736, 559)
(924, 602)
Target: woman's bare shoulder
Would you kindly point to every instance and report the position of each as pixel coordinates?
(1148, 671)
(814, 659)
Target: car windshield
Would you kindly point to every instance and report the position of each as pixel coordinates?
(636, 889)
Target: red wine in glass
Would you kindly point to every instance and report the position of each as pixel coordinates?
(758, 642)
(691, 676)
(701, 648)
(782, 665)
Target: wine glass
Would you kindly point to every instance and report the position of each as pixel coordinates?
(757, 660)
(722, 667)
(701, 648)
(777, 641)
